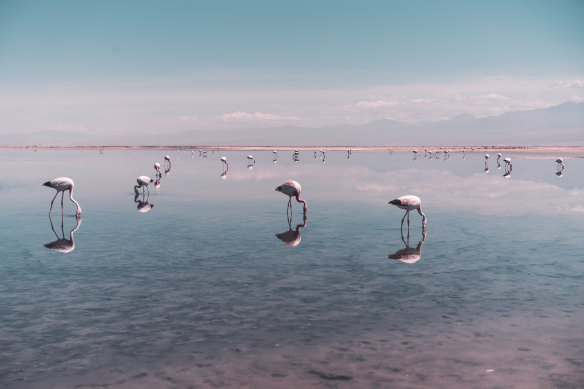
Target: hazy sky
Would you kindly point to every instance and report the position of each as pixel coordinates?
(167, 66)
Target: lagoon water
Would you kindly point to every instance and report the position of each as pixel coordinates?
(200, 292)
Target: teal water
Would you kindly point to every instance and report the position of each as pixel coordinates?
(199, 292)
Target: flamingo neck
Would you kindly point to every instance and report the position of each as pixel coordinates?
(75, 201)
(302, 201)
(422, 214)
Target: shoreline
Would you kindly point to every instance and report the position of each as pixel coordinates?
(476, 149)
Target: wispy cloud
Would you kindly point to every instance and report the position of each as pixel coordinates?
(256, 117)
(175, 106)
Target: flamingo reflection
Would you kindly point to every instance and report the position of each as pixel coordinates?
(560, 167)
(409, 254)
(508, 167)
(62, 244)
(143, 205)
(225, 167)
(292, 238)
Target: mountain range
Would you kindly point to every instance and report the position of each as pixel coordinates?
(558, 125)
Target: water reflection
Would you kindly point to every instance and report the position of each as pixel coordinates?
(292, 237)
(143, 204)
(62, 244)
(560, 167)
(409, 254)
(225, 168)
(508, 168)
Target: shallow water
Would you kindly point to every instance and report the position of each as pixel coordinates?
(200, 292)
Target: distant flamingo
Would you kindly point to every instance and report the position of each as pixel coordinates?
(409, 203)
(560, 162)
(275, 156)
(224, 160)
(167, 159)
(508, 164)
(143, 182)
(292, 188)
(62, 184)
(157, 168)
(250, 161)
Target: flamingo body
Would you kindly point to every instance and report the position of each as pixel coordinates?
(62, 184)
(143, 182)
(292, 188)
(409, 203)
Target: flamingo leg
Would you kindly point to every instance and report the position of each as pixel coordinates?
(62, 195)
(408, 213)
(52, 201)
(403, 218)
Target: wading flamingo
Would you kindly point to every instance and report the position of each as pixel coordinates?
(143, 182)
(292, 188)
(167, 159)
(62, 184)
(409, 203)
(157, 168)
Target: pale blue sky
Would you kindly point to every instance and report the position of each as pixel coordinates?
(123, 65)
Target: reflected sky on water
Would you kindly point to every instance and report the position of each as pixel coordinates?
(210, 282)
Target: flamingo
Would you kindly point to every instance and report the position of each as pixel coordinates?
(275, 156)
(167, 159)
(157, 168)
(409, 203)
(62, 184)
(292, 188)
(508, 164)
(143, 182)
(225, 164)
(250, 161)
(560, 162)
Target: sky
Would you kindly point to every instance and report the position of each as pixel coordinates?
(145, 67)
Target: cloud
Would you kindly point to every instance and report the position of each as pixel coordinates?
(576, 83)
(256, 117)
(375, 104)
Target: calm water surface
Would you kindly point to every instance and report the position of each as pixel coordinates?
(214, 286)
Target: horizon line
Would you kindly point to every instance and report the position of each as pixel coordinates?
(579, 149)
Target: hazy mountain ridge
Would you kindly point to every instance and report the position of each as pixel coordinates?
(561, 124)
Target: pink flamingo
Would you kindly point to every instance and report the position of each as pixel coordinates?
(143, 182)
(63, 184)
(409, 203)
(292, 188)
(157, 168)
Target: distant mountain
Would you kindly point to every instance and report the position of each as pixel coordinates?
(558, 125)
